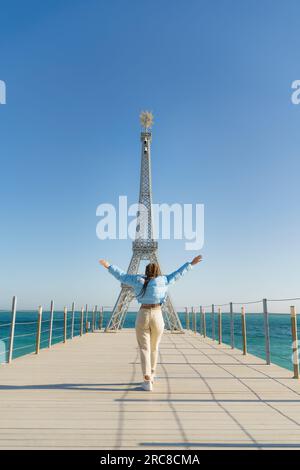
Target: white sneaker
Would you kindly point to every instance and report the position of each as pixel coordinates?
(147, 385)
(153, 378)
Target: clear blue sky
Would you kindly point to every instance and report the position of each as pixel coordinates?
(217, 75)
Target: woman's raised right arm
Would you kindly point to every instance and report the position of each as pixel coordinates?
(130, 279)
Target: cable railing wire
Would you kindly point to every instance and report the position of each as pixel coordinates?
(233, 303)
(60, 328)
(23, 347)
(44, 340)
(250, 302)
(5, 324)
(25, 334)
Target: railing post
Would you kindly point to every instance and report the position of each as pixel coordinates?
(213, 322)
(220, 325)
(65, 324)
(93, 319)
(295, 342)
(51, 323)
(267, 331)
(101, 318)
(204, 323)
(12, 328)
(187, 320)
(81, 321)
(244, 331)
(231, 325)
(193, 320)
(38, 330)
(200, 321)
(73, 319)
(86, 318)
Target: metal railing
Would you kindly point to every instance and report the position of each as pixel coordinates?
(53, 326)
(196, 321)
(59, 327)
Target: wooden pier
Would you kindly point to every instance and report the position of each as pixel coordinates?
(85, 394)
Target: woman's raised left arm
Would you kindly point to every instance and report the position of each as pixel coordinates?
(173, 277)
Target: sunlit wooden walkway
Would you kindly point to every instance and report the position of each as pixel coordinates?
(85, 395)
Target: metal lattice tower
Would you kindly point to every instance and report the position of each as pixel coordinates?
(144, 247)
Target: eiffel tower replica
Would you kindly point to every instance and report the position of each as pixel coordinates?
(144, 246)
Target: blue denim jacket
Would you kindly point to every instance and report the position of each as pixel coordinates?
(157, 288)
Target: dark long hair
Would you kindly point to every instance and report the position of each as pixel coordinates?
(152, 270)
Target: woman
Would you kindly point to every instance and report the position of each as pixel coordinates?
(151, 291)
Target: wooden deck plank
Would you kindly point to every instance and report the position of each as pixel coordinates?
(86, 394)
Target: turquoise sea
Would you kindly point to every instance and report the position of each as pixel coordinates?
(26, 326)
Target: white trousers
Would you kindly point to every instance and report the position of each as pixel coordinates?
(149, 327)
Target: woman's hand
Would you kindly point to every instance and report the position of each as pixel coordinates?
(196, 260)
(104, 263)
